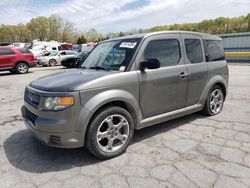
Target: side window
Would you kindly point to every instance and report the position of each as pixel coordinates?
(215, 50)
(6, 52)
(194, 50)
(70, 53)
(63, 53)
(24, 51)
(166, 51)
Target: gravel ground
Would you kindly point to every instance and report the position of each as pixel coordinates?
(192, 151)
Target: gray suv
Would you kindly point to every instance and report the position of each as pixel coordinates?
(125, 84)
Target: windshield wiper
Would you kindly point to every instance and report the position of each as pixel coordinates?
(99, 67)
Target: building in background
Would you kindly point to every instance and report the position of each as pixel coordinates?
(237, 47)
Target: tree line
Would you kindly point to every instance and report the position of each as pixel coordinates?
(219, 25)
(56, 28)
(216, 26)
(47, 29)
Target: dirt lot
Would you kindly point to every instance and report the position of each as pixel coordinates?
(192, 151)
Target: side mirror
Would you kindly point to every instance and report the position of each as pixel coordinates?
(150, 64)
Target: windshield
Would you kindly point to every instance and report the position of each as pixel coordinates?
(112, 55)
(53, 53)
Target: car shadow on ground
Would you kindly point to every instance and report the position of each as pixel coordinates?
(13, 74)
(24, 152)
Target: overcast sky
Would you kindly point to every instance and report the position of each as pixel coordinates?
(121, 15)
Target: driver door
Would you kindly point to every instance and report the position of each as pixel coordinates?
(163, 90)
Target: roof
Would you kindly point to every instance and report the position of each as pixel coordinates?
(145, 35)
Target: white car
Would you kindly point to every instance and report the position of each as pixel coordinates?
(55, 57)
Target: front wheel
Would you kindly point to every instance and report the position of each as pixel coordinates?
(22, 68)
(214, 101)
(52, 62)
(110, 132)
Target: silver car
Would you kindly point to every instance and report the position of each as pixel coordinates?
(125, 84)
(55, 57)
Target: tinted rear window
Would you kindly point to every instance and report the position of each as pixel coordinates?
(215, 50)
(24, 51)
(194, 50)
(6, 52)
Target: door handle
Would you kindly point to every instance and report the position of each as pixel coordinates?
(183, 75)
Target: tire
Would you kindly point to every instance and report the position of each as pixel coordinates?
(22, 68)
(214, 102)
(110, 132)
(52, 62)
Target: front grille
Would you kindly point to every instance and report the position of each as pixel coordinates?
(31, 98)
(55, 139)
(32, 117)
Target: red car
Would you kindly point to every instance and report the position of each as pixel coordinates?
(16, 60)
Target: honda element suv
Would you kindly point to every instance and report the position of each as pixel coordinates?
(125, 84)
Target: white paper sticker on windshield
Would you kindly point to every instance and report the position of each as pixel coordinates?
(128, 44)
(122, 68)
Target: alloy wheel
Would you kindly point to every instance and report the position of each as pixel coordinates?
(22, 68)
(216, 101)
(113, 132)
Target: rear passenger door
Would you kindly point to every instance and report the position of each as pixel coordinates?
(162, 90)
(196, 67)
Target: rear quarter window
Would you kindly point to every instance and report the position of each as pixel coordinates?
(63, 53)
(6, 52)
(194, 50)
(23, 51)
(215, 50)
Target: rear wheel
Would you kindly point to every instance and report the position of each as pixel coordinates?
(214, 101)
(52, 62)
(22, 68)
(110, 132)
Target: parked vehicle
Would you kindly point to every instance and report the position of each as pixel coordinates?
(86, 47)
(38, 47)
(75, 61)
(16, 60)
(66, 46)
(125, 84)
(18, 45)
(55, 57)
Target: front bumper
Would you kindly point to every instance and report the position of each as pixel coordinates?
(55, 139)
(42, 62)
(53, 128)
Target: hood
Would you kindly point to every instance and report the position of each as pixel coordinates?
(68, 81)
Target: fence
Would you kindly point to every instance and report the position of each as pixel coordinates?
(237, 47)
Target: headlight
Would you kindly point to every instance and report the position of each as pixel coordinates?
(58, 103)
